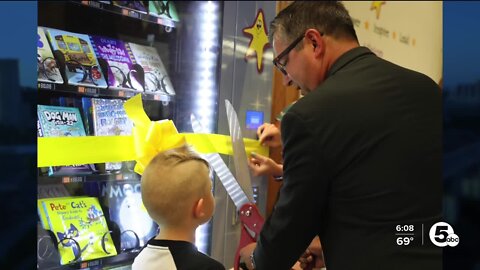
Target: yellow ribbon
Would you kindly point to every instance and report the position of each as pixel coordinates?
(148, 138)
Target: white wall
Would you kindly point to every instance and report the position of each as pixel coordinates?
(408, 33)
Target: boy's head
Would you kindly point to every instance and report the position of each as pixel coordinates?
(177, 190)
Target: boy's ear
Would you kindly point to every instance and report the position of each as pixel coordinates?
(199, 209)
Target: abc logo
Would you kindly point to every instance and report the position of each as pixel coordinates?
(442, 235)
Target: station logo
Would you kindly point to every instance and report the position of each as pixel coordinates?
(442, 235)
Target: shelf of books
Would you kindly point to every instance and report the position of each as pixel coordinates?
(91, 216)
(100, 92)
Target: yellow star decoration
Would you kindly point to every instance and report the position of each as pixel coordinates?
(259, 40)
(377, 5)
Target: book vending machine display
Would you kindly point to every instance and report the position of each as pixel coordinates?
(92, 57)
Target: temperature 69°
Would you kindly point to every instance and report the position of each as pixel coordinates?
(404, 241)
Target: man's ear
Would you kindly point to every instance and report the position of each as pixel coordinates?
(315, 40)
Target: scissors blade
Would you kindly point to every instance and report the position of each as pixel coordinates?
(231, 185)
(239, 154)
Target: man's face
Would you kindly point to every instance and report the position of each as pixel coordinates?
(291, 63)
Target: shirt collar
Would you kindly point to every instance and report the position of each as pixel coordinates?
(348, 57)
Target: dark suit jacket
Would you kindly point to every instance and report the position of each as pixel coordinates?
(362, 154)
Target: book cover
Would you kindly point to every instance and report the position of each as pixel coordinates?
(121, 72)
(47, 68)
(110, 119)
(126, 209)
(82, 67)
(156, 76)
(163, 9)
(58, 121)
(42, 211)
(80, 228)
(133, 5)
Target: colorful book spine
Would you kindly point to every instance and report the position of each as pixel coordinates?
(80, 227)
(81, 64)
(87, 112)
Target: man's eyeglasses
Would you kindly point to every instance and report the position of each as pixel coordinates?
(276, 61)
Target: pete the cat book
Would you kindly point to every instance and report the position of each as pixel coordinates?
(80, 228)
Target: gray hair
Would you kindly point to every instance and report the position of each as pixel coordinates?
(328, 17)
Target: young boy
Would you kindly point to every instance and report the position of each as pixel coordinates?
(177, 193)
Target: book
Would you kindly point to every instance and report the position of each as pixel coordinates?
(132, 5)
(58, 121)
(163, 9)
(124, 200)
(77, 103)
(80, 228)
(81, 64)
(156, 76)
(121, 71)
(47, 68)
(110, 119)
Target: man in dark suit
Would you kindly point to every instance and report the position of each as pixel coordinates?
(362, 151)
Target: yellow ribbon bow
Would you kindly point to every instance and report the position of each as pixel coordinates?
(150, 137)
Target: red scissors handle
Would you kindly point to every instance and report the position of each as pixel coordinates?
(252, 223)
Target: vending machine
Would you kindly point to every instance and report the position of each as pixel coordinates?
(184, 58)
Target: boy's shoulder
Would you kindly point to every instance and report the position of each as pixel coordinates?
(180, 254)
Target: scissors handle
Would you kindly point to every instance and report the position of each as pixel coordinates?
(252, 223)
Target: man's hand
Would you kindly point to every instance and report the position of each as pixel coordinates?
(245, 253)
(269, 135)
(261, 165)
(313, 256)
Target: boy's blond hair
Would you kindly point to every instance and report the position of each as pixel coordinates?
(172, 182)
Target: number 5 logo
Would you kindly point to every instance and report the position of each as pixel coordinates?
(441, 234)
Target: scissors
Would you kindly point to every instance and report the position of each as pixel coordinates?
(240, 188)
